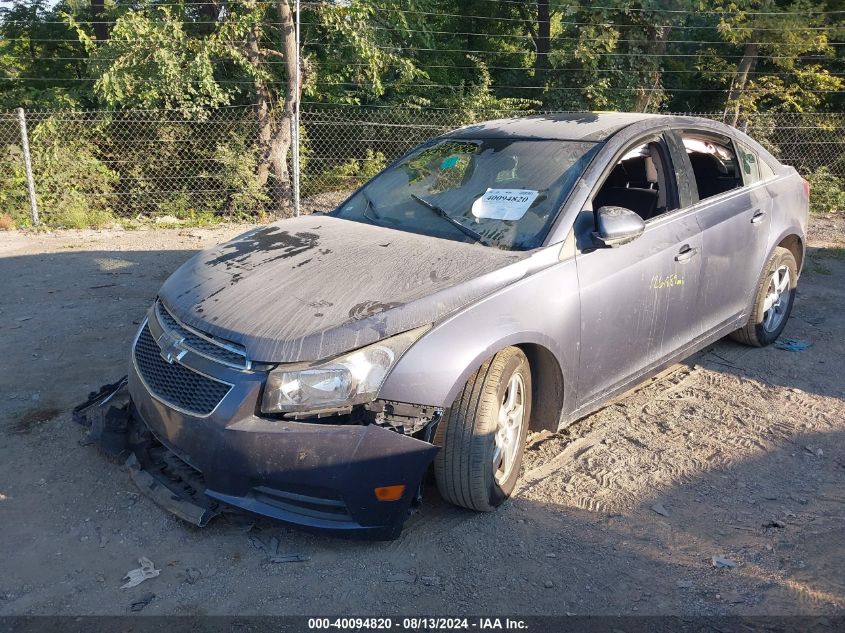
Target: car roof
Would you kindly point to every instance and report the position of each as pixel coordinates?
(570, 126)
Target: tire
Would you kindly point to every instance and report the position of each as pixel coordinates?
(467, 435)
(763, 328)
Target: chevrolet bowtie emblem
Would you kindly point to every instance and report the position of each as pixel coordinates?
(170, 345)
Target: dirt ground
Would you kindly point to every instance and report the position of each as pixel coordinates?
(738, 454)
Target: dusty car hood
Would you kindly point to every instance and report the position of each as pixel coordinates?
(309, 288)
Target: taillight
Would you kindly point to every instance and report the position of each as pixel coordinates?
(806, 187)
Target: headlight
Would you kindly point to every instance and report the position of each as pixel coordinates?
(350, 379)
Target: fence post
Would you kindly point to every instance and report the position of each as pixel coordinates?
(294, 123)
(30, 182)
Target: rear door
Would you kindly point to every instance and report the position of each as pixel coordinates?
(637, 300)
(733, 210)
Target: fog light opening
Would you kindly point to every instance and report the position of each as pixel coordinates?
(389, 493)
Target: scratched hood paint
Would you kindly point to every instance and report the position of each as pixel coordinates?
(310, 288)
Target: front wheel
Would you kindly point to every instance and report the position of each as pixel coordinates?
(482, 437)
(773, 301)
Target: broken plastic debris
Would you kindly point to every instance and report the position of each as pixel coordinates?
(402, 577)
(136, 576)
(723, 563)
(271, 549)
(289, 558)
(793, 345)
(143, 601)
(659, 509)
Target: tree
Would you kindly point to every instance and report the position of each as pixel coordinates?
(192, 60)
(41, 65)
(779, 34)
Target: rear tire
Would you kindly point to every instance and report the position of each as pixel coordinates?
(481, 438)
(772, 301)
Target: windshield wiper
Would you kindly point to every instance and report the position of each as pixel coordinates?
(477, 237)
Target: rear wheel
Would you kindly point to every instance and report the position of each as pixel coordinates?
(483, 435)
(772, 303)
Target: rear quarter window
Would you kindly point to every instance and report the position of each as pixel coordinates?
(766, 170)
(749, 164)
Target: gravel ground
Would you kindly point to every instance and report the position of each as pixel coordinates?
(737, 454)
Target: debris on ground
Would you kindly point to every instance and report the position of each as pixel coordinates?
(534, 439)
(239, 522)
(815, 452)
(136, 576)
(660, 509)
(430, 581)
(793, 345)
(192, 575)
(402, 577)
(271, 550)
(723, 563)
(289, 558)
(775, 524)
(143, 601)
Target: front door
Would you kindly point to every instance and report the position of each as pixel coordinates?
(638, 300)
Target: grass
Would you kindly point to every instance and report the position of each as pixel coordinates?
(836, 252)
(79, 217)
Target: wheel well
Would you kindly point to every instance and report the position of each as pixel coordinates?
(795, 246)
(547, 387)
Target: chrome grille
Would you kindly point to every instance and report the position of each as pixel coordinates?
(203, 344)
(175, 384)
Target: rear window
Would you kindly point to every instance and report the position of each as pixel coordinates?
(714, 163)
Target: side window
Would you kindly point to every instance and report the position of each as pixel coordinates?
(641, 180)
(749, 164)
(714, 163)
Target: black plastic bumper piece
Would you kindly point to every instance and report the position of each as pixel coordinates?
(316, 476)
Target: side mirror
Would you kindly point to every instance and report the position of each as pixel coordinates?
(617, 225)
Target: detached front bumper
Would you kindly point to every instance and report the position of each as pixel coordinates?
(315, 475)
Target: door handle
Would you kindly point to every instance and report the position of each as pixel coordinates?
(758, 216)
(686, 253)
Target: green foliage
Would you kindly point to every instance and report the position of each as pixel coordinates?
(348, 175)
(826, 191)
(150, 61)
(13, 193)
(40, 60)
(75, 188)
(245, 197)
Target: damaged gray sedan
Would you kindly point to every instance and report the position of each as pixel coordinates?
(506, 276)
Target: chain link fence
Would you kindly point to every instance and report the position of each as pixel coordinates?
(90, 168)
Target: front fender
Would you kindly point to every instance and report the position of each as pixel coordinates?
(541, 309)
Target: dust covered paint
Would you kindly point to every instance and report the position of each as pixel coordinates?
(308, 288)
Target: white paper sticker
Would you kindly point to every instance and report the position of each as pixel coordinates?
(504, 204)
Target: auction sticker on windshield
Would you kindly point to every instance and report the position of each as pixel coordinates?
(504, 204)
